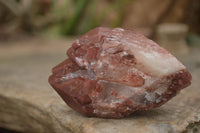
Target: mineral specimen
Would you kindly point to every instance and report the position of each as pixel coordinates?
(111, 73)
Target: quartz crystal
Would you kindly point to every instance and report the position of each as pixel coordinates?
(111, 73)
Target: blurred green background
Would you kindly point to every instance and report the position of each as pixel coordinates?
(75, 17)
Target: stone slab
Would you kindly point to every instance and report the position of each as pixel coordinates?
(29, 104)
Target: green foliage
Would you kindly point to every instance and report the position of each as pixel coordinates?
(65, 17)
(71, 24)
(102, 13)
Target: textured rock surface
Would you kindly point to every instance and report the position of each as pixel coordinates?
(28, 104)
(113, 72)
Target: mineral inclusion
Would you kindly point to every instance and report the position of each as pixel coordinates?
(111, 73)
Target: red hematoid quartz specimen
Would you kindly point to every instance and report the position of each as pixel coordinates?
(111, 73)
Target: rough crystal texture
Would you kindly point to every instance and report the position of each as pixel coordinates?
(111, 73)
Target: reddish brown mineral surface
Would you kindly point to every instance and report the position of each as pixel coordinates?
(111, 73)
